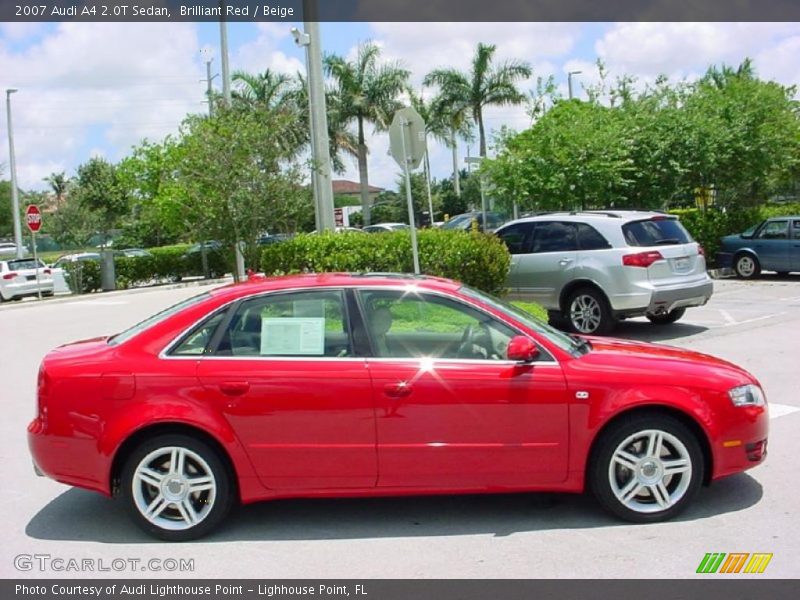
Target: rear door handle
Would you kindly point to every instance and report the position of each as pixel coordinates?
(397, 390)
(234, 388)
(565, 261)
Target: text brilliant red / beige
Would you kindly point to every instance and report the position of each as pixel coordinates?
(237, 11)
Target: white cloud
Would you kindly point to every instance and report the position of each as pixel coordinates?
(262, 53)
(90, 83)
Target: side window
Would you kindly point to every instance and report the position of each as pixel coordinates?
(796, 227)
(196, 342)
(775, 230)
(554, 236)
(403, 325)
(517, 237)
(591, 239)
(292, 324)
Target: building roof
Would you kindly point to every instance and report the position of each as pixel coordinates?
(344, 186)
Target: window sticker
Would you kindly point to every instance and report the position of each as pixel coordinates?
(293, 336)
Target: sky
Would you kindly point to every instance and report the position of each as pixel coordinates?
(97, 89)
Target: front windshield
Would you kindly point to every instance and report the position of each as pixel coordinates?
(559, 338)
(156, 318)
(456, 221)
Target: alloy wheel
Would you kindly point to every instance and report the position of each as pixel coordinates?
(585, 313)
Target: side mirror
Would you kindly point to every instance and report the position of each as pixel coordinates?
(522, 349)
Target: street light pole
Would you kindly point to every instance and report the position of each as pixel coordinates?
(13, 166)
(223, 44)
(569, 81)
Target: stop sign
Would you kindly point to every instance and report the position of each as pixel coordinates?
(33, 218)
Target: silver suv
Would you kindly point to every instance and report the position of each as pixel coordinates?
(594, 268)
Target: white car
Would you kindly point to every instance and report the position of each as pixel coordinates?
(384, 227)
(8, 249)
(18, 279)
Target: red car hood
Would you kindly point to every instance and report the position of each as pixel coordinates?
(657, 363)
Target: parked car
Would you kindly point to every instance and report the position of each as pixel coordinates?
(366, 385)
(8, 249)
(384, 227)
(274, 238)
(132, 253)
(772, 245)
(591, 269)
(18, 278)
(63, 261)
(464, 221)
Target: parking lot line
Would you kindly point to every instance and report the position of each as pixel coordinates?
(781, 410)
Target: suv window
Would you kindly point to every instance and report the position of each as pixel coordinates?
(591, 239)
(655, 232)
(291, 324)
(775, 230)
(554, 236)
(517, 237)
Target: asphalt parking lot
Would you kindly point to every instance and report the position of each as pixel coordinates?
(754, 324)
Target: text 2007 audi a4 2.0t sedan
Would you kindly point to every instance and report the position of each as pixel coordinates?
(362, 385)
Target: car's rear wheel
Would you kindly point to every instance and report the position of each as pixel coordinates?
(746, 266)
(176, 487)
(646, 468)
(667, 317)
(588, 312)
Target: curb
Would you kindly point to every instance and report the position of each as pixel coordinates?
(723, 273)
(69, 297)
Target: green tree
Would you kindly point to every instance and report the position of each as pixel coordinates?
(367, 92)
(59, 183)
(98, 190)
(484, 85)
(6, 213)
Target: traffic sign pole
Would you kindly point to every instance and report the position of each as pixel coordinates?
(414, 250)
(33, 219)
(36, 264)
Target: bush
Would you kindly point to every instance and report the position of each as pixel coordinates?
(475, 259)
(83, 276)
(167, 262)
(708, 227)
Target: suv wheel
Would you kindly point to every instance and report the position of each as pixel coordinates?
(747, 267)
(667, 318)
(588, 312)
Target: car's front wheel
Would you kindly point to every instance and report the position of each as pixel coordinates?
(667, 317)
(646, 468)
(747, 267)
(176, 487)
(588, 312)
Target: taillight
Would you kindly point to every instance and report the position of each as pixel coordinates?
(42, 389)
(641, 259)
(11, 275)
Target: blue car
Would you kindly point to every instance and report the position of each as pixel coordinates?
(772, 245)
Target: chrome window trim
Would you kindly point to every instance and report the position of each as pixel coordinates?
(164, 354)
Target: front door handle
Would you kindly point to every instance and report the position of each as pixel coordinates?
(234, 388)
(397, 390)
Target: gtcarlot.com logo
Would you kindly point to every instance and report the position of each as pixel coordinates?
(60, 564)
(735, 562)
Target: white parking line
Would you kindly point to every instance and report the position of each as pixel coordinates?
(781, 410)
(101, 302)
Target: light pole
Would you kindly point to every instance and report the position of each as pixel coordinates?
(320, 148)
(13, 166)
(208, 55)
(569, 81)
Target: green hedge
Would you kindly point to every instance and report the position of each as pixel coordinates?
(481, 261)
(82, 277)
(167, 262)
(708, 227)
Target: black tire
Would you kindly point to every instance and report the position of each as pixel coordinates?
(596, 320)
(599, 474)
(747, 266)
(220, 503)
(667, 318)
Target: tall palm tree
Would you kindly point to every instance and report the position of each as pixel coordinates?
(265, 90)
(58, 183)
(484, 85)
(367, 92)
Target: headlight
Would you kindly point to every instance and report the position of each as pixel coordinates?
(747, 395)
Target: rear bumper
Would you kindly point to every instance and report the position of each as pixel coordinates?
(27, 288)
(665, 300)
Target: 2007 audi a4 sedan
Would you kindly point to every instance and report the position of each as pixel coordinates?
(367, 385)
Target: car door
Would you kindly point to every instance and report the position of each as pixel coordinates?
(284, 372)
(451, 411)
(549, 264)
(773, 246)
(517, 238)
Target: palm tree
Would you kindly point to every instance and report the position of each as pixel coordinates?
(367, 92)
(58, 183)
(485, 85)
(265, 90)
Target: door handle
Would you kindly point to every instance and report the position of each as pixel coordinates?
(397, 390)
(234, 388)
(565, 261)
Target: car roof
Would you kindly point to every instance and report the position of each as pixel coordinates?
(624, 216)
(260, 283)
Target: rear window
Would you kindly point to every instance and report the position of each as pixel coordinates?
(655, 232)
(156, 318)
(24, 263)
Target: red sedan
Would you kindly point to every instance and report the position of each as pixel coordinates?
(348, 385)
